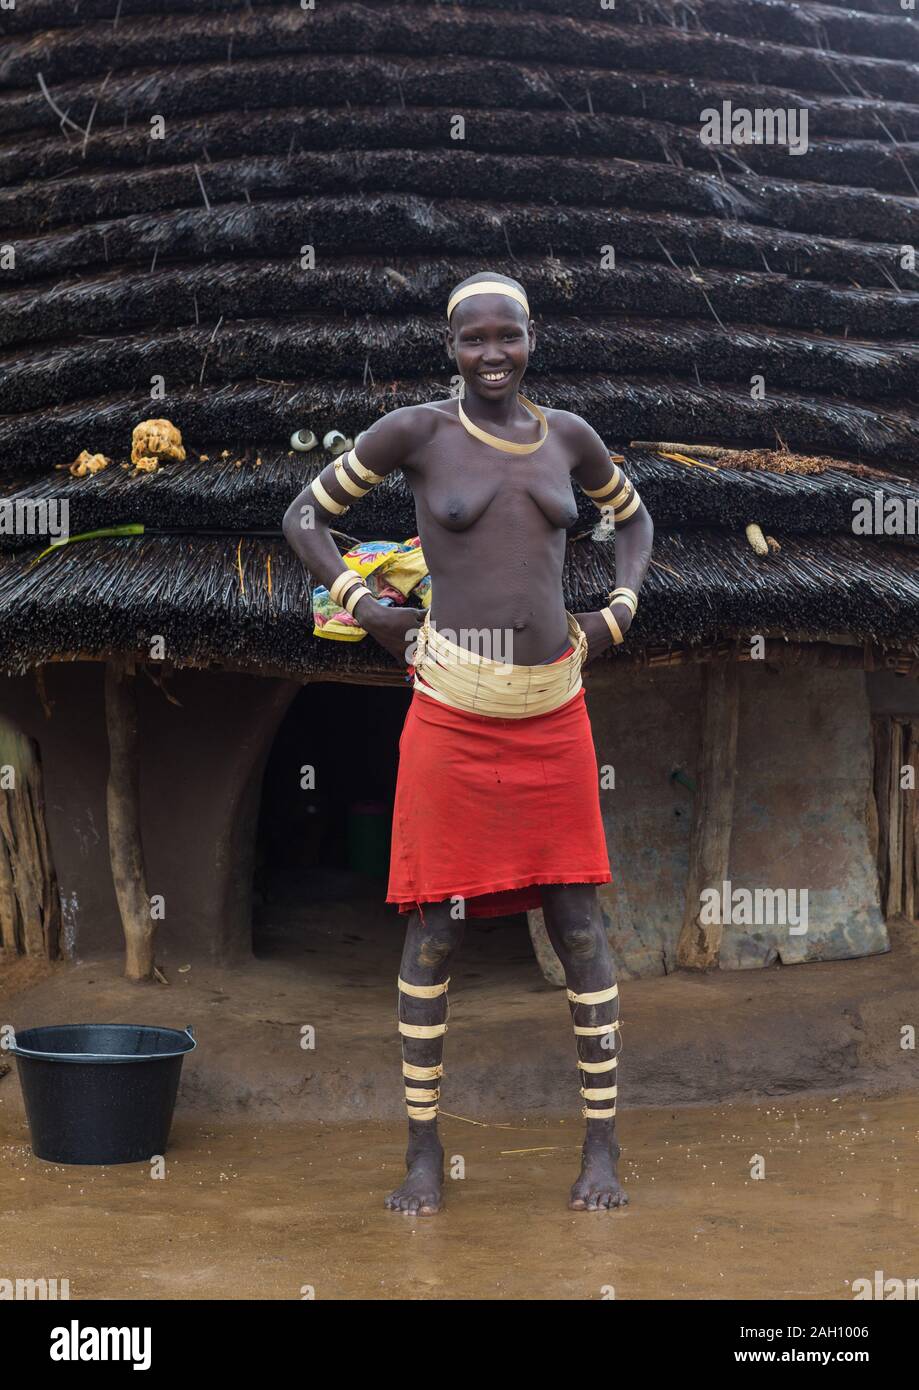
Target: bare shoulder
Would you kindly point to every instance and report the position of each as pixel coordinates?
(582, 440)
(390, 441)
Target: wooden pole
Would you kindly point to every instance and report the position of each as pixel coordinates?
(890, 814)
(911, 758)
(713, 814)
(30, 904)
(9, 908)
(911, 907)
(123, 810)
(880, 730)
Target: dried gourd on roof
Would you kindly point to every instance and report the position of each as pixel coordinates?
(152, 442)
(86, 463)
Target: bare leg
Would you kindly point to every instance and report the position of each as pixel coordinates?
(426, 955)
(575, 928)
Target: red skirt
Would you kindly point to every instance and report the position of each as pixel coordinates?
(487, 809)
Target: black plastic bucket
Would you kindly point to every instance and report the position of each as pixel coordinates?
(100, 1092)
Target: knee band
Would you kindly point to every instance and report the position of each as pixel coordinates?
(421, 1101)
(599, 996)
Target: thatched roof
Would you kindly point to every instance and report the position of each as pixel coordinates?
(243, 601)
(179, 257)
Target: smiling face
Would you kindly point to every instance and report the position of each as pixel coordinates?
(490, 338)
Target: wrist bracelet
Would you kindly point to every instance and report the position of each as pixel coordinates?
(341, 584)
(355, 596)
(626, 596)
(613, 626)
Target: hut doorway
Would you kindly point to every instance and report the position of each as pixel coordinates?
(322, 846)
(323, 840)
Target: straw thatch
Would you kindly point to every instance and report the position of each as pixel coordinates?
(248, 493)
(139, 257)
(243, 602)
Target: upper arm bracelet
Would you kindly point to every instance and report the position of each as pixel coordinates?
(344, 480)
(624, 500)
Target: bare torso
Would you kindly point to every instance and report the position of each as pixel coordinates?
(492, 527)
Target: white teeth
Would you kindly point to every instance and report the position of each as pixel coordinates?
(494, 376)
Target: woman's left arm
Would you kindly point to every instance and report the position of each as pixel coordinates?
(609, 488)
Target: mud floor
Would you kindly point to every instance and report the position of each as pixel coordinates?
(250, 1211)
(687, 1038)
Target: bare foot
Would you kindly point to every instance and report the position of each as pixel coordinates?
(597, 1187)
(421, 1193)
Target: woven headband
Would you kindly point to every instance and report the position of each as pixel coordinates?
(487, 287)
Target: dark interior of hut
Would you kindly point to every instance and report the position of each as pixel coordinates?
(327, 797)
(323, 839)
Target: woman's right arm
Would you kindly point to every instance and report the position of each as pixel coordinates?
(319, 507)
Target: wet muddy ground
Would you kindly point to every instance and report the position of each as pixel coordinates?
(262, 1211)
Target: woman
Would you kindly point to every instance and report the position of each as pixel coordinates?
(497, 804)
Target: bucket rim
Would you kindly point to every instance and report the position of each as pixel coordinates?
(187, 1035)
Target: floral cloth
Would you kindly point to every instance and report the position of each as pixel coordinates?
(395, 572)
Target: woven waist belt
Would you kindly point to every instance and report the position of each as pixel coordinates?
(467, 681)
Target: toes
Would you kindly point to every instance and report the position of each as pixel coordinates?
(613, 1199)
(601, 1199)
(416, 1204)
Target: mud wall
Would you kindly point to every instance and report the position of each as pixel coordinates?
(803, 776)
(200, 782)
